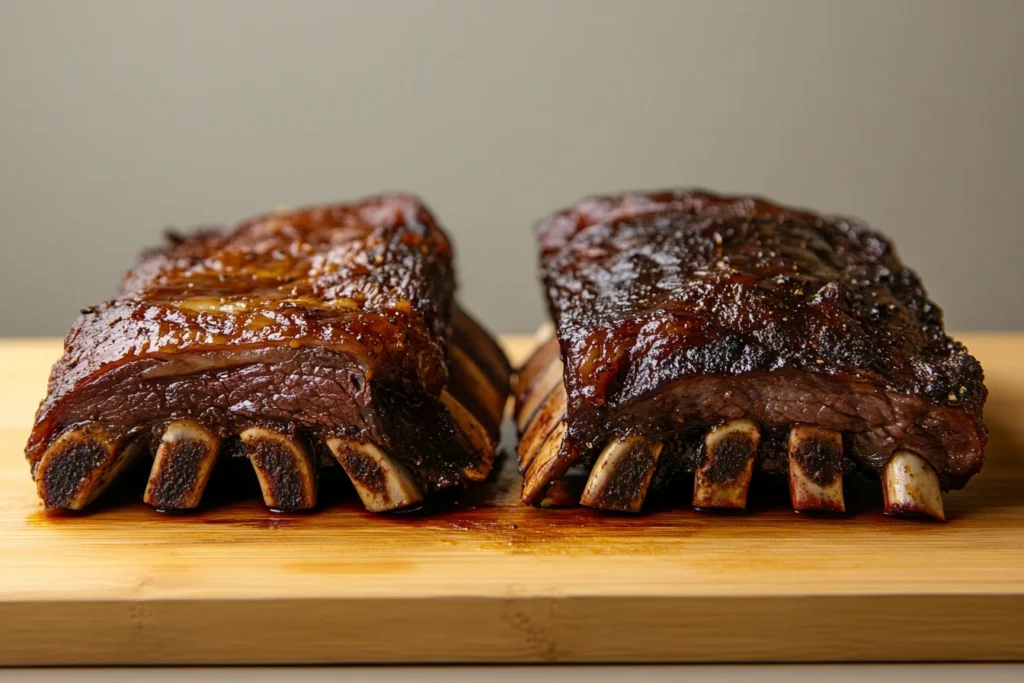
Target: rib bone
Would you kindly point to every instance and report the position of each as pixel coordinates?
(550, 413)
(723, 476)
(182, 466)
(286, 472)
(816, 469)
(476, 434)
(538, 391)
(469, 335)
(544, 468)
(911, 487)
(477, 386)
(381, 481)
(621, 475)
(79, 465)
(543, 356)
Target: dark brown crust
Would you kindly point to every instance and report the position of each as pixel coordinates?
(372, 279)
(351, 304)
(671, 291)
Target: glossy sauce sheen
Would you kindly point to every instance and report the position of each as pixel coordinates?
(370, 281)
(653, 291)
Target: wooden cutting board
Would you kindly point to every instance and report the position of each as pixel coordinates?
(486, 579)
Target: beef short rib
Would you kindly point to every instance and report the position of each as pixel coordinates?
(718, 335)
(322, 336)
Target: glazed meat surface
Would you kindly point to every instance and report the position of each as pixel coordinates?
(330, 325)
(680, 311)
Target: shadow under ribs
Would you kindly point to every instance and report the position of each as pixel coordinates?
(728, 334)
(297, 335)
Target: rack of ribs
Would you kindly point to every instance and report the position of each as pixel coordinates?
(298, 340)
(716, 335)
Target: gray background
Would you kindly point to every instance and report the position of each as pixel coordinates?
(120, 118)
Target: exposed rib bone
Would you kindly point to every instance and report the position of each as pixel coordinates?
(469, 335)
(476, 434)
(723, 476)
(911, 487)
(621, 475)
(541, 388)
(284, 467)
(381, 481)
(548, 415)
(475, 388)
(544, 467)
(182, 466)
(79, 465)
(816, 469)
(543, 356)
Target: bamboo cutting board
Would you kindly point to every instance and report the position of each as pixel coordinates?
(485, 579)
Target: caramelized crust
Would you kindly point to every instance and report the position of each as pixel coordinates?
(321, 318)
(686, 309)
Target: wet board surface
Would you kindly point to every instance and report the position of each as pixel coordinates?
(483, 578)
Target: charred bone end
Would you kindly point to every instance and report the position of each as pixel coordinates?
(622, 474)
(182, 466)
(911, 487)
(79, 465)
(477, 436)
(382, 483)
(722, 479)
(284, 467)
(816, 469)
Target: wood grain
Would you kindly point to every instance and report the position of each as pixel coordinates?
(485, 579)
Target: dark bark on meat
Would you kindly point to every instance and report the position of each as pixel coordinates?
(338, 320)
(682, 309)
